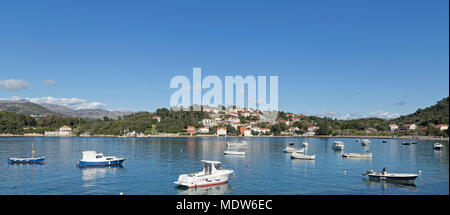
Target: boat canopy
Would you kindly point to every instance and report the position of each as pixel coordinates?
(211, 167)
(91, 155)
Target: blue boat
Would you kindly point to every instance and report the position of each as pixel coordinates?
(38, 160)
(32, 160)
(92, 158)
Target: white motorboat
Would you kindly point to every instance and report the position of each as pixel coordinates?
(390, 176)
(92, 158)
(212, 174)
(356, 155)
(301, 155)
(338, 145)
(230, 152)
(438, 146)
(237, 144)
(365, 142)
(290, 149)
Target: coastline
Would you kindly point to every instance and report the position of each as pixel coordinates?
(210, 136)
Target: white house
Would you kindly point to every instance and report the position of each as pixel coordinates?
(221, 131)
(206, 122)
(293, 129)
(203, 130)
(264, 130)
(442, 127)
(409, 127)
(65, 130)
(312, 128)
(248, 133)
(393, 127)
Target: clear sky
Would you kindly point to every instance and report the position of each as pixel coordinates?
(335, 58)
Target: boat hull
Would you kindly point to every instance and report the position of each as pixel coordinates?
(354, 155)
(117, 162)
(393, 178)
(233, 153)
(185, 180)
(302, 156)
(39, 160)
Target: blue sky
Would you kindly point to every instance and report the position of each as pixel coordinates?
(335, 58)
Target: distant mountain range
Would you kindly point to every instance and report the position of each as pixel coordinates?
(435, 114)
(29, 108)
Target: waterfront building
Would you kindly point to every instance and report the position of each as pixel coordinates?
(190, 130)
(407, 127)
(65, 131)
(293, 129)
(221, 131)
(248, 133)
(442, 127)
(203, 130)
(264, 130)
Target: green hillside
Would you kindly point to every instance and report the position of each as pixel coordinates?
(436, 114)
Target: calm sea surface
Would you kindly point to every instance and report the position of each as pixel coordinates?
(153, 164)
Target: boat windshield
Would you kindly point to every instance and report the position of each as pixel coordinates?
(208, 168)
(218, 166)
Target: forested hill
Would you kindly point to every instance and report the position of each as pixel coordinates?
(436, 114)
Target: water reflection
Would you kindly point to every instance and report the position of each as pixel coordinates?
(93, 173)
(221, 189)
(390, 184)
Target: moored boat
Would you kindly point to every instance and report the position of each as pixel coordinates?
(390, 176)
(406, 143)
(32, 160)
(438, 146)
(37, 160)
(92, 158)
(230, 152)
(290, 149)
(356, 155)
(338, 145)
(301, 155)
(365, 142)
(212, 174)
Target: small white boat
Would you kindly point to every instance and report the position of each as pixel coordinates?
(338, 145)
(230, 152)
(356, 155)
(301, 155)
(438, 146)
(390, 176)
(92, 158)
(290, 149)
(237, 144)
(212, 174)
(365, 142)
